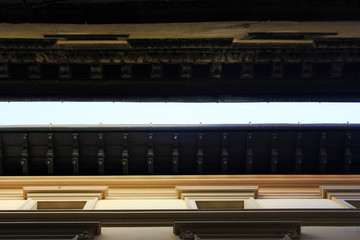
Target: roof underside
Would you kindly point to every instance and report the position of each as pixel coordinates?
(166, 150)
(142, 11)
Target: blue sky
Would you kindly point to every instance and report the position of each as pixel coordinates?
(20, 113)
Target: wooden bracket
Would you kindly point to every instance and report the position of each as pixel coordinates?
(101, 154)
(298, 153)
(150, 154)
(248, 70)
(24, 155)
(274, 153)
(75, 154)
(50, 155)
(200, 154)
(125, 155)
(249, 153)
(175, 154)
(347, 153)
(224, 154)
(322, 153)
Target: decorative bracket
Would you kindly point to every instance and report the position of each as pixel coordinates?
(298, 153)
(24, 155)
(224, 154)
(200, 154)
(150, 154)
(75, 154)
(50, 154)
(125, 155)
(101, 154)
(274, 153)
(322, 153)
(347, 153)
(175, 154)
(249, 153)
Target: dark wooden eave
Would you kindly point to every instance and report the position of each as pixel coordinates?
(145, 11)
(166, 150)
(259, 66)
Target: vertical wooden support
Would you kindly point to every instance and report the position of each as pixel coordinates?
(249, 153)
(64, 71)
(50, 155)
(156, 70)
(34, 71)
(307, 70)
(126, 71)
(125, 155)
(185, 71)
(216, 69)
(298, 153)
(150, 154)
(277, 69)
(101, 154)
(274, 153)
(224, 154)
(347, 153)
(248, 70)
(175, 154)
(1, 156)
(322, 153)
(24, 159)
(4, 70)
(96, 71)
(200, 154)
(75, 154)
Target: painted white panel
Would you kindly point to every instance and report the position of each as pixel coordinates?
(297, 203)
(141, 204)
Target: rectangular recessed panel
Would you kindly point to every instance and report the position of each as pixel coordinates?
(220, 204)
(68, 205)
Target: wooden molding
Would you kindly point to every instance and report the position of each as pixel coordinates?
(111, 218)
(213, 191)
(42, 192)
(238, 229)
(165, 181)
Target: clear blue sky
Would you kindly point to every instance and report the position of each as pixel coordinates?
(20, 113)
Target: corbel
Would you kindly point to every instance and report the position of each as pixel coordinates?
(64, 71)
(175, 153)
(96, 71)
(75, 154)
(156, 70)
(185, 71)
(216, 69)
(50, 155)
(34, 70)
(274, 153)
(4, 70)
(347, 153)
(150, 154)
(126, 71)
(322, 153)
(224, 153)
(298, 153)
(249, 153)
(101, 154)
(125, 155)
(200, 154)
(248, 70)
(24, 155)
